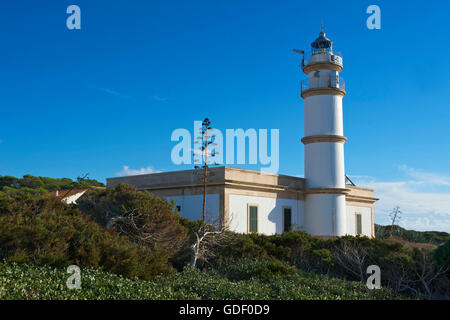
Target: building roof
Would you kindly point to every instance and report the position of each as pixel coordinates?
(63, 194)
(216, 176)
(66, 193)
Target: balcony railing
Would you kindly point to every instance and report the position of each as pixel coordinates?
(323, 82)
(334, 57)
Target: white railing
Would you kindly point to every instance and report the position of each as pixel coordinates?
(329, 82)
(335, 57)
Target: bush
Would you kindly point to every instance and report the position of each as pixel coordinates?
(145, 219)
(245, 269)
(442, 255)
(18, 281)
(344, 257)
(48, 231)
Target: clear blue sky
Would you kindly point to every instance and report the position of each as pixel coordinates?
(109, 95)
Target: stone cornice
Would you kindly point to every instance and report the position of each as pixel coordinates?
(324, 138)
(326, 190)
(322, 66)
(322, 91)
(361, 199)
(224, 183)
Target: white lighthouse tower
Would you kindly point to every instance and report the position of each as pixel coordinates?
(322, 91)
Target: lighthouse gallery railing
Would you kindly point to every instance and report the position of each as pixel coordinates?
(330, 82)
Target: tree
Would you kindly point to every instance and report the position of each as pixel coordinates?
(205, 140)
(420, 276)
(395, 216)
(351, 255)
(207, 238)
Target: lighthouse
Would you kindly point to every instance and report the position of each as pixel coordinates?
(322, 91)
(250, 201)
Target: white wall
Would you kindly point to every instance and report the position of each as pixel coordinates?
(366, 219)
(324, 165)
(323, 115)
(270, 219)
(192, 206)
(323, 212)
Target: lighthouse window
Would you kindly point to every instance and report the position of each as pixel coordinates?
(358, 224)
(252, 218)
(287, 219)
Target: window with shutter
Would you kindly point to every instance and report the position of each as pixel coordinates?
(287, 219)
(358, 224)
(252, 219)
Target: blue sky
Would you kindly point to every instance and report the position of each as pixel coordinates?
(109, 95)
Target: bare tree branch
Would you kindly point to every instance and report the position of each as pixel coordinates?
(208, 238)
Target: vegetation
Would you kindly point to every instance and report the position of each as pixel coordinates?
(41, 185)
(434, 237)
(19, 281)
(130, 244)
(50, 232)
(442, 256)
(146, 220)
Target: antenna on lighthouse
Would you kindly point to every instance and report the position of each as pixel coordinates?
(303, 55)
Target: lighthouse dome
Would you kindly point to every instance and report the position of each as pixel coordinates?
(322, 43)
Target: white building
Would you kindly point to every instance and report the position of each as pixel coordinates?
(69, 196)
(252, 201)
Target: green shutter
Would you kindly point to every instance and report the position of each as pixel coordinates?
(253, 219)
(358, 224)
(287, 212)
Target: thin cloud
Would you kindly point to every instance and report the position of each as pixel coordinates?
(432, 221)
(126, 171)
(158, 98)
(114, 93)
(426, 177)
(422, 209)
(361, 177)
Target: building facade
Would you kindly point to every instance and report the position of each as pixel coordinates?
(251, 201)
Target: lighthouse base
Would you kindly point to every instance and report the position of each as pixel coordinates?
(325, 214)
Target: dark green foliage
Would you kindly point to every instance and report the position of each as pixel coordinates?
(40, 185)
(150, 215)
(344, 257)
(442, 255)
(45, 231)
(435, 237)
(49, 232)
(18, 281)
(183, 256)
(246, 268)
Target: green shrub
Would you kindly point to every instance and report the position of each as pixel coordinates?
(18, 281)
(150, 216)
(246, 268)
(48, 231)
(442, 255)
